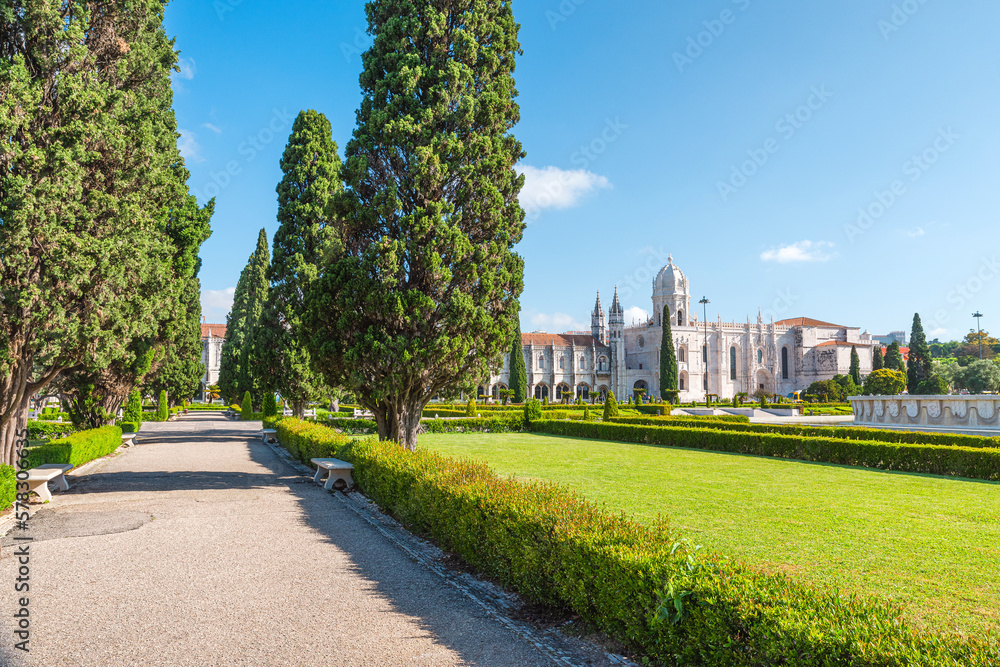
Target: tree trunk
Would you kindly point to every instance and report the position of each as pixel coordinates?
(14, 430)
(299, 409)
(399, 423)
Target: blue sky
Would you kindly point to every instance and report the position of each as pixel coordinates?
(835, 160)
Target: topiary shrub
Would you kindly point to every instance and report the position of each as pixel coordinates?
(133, 411)
(270, 408)
(610, 406)
(162, 412)
(470, 409)
(78, 448)
(532, 410)
(247, 407)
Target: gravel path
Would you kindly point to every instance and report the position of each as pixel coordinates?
(201, 546)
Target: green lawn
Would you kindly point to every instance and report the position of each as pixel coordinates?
(931, 543)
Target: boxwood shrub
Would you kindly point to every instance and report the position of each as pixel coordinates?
(846, 432)
(8, 486)
(78, 448)
(130, 427)
(639, 584)
(973, 463)
(45, 430)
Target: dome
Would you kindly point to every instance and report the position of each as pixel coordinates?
(670, 280)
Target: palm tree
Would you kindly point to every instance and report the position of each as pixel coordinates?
(213, 393)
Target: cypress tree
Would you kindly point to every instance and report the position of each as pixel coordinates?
(921, 363)
(610, 406)
(855, 371)
(518, 372)
(246, 408)
(878, 361)
(133, 413)
(238, 372)
(162, 411)
(668, 358)
(418, 292)
(894, 358)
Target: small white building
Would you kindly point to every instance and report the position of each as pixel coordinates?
(775, 357)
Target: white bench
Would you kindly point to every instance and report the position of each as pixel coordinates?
(269, 435)
(39, 478)
(363, 414)
(310, 413)
(338, 470)
(128, 439)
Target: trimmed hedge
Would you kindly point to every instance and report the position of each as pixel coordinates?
(43, 430)
(930, 459)
(78, 448)
(507, 422)
(8, 486)
(843, 432)
(130, 427)
(639, 584)
(201, 406)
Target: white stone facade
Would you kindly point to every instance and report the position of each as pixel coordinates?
(944, 412)
(212, 337)
(777, 357)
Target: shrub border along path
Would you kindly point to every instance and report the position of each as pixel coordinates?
(638, 584)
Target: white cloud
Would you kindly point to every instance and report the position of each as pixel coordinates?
(803, 251)
(939, 333)
(188, 68)
(216, 304)
(213, 128)
(553, 187)
(916, 232)
(637, 315)
(555, 323)
(189, 147)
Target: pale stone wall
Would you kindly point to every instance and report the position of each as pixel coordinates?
(946, 412)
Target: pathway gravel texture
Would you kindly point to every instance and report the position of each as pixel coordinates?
(201, 546)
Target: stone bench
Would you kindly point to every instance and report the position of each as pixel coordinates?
(338, 470)
(363, 414)
(128, 439)
(269, 435)
(39, 478)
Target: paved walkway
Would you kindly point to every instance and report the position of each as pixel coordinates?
(202, 547)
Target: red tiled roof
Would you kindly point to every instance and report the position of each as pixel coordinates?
(807, 322)
(581, 340)
(216, 330)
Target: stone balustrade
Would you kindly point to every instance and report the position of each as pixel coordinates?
(977, 412)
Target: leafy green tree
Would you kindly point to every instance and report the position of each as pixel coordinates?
(610, 406)
(894, 358)
(162, 409)
(90, 176)
(855, 371)
(270, 408)
(885, 382)
(936, 385)
(668, 358)
(970, 346)
(977, 377)
(419, 288)
(878, 361)
(532, 410)
(239, 370)
(920, 357)
(518, 372)
(311, 180)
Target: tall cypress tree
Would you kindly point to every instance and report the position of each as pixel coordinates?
(239, 373)
(518, 372)
(311, 179)
(855, 371)
(878, 361)
(668, 358)
(921, 364)
(419, 288)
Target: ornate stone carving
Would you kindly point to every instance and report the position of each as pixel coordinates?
(912, 408)
(959, 409)
(986, 409)
(893, 409)
(933, 409)
(879, 407)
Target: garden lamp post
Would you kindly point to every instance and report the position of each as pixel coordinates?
(979, 326)
(704, 302)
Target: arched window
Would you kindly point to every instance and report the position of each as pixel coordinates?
(583, 363)
(784, 363)
(680, 384)
(541, 362)
(680, 355)
(760, 356)
(562, 363)
(680, 318)
(602, 364)
(732, 363)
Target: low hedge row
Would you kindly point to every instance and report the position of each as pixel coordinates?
(130, 427)
(639, 584)
(202, 406)
(8, 486)
(53, 415)
(251, 416)
(78, 448)
(950, 461)
(44, 430)
(506, 422)
(844, 432)
(432, 413)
